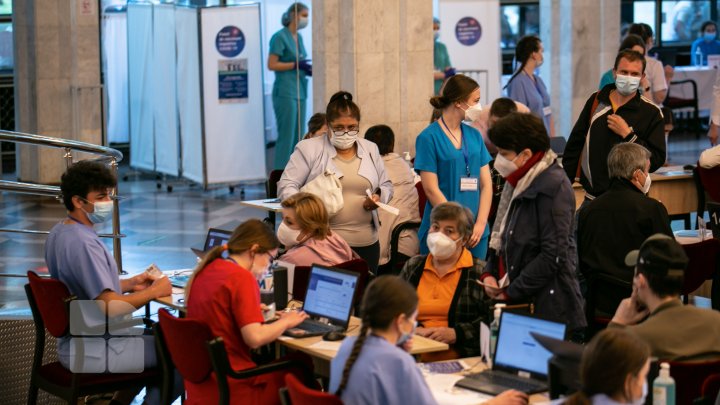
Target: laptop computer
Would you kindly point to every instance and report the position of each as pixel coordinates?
(215, 237)
(520, 362)
(714, 212)
(328, 300)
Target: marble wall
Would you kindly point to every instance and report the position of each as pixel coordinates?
(57, 80)
(581, 38)
(380, 51)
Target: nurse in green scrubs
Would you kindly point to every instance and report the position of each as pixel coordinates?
(443, 67)
(288, 60)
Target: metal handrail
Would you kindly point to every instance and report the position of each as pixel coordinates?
(113, 156)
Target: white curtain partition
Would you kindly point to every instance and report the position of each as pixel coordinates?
(115, 66)
(140, 48)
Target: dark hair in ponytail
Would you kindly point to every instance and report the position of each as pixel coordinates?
(524, 49)
(249, 233)
(385, 299)
(457, 88)
(341, 104)
(608, 359)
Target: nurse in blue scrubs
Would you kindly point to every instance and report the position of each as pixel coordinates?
(527, 87)
(288, 59)
(452, 161)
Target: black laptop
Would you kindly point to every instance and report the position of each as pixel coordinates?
(215, 237)
(328, 300)
(520, 362)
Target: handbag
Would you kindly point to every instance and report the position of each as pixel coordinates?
(328, 188)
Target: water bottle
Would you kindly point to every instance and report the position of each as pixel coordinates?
(408, 159)
(494, 326)
(698, 57)
(664, 387)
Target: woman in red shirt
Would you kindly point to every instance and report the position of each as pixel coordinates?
(224, 293)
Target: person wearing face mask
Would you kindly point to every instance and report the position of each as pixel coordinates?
(707, 43)
(451, 303)
(288, 59)
(532, 257)
(617, 222)
(525, 86)
(636, 43)
(441, 58)
(613, 370)
(654, 311)
(224, 292)
(375, 366)
(75, 255)
(305, 233)
(616, 114)
(452, 161)
(359, 167)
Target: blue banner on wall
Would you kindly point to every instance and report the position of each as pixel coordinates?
(468, 31)
(230, 41)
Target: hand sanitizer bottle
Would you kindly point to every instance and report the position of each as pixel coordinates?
(494, 327)
(664, 387)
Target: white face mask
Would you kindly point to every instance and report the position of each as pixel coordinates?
(441, 246)
(641, 400)
(473, 112)
(407, 336)
(343, 140)
(627, 85)
(504, 166)
(287, 236)
(302, 22)
(259, 272)
(646, 184)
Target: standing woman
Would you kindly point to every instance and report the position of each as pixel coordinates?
(527, 87)
(452, 160)
(358, 165)
(288, 60)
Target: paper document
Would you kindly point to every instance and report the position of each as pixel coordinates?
(326, 345)
(383, 206)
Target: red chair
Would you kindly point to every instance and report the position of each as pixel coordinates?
(710, 390)
(302, 395)
(422, 198)
(189, 346)
(689, 378)
(703, 265)
(49, 301)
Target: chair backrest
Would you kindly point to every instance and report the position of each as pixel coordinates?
(710, 180)
(50, 298)
(422, 198)
(703, 263)
(358, 266)
(272, 181)
(302, 395)
(689, 378)
(711, 387)
(186, 340)
(301, 278)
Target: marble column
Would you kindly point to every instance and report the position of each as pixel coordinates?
(382, 52)
(581, 38)
(57, 80)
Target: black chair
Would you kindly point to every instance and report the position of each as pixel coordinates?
(271, 191)
(680, 106)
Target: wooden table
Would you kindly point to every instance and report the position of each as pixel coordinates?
(671, 185)
(322, 358)
(175, 301)
(443, 387)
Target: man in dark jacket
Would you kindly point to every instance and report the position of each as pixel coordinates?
(617, 222)
(616, 114)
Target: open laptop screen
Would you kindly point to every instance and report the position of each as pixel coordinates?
(517, 350)
(330, 294)
(216, 237)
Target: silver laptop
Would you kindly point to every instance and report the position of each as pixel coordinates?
(520, 362)
(328, 300)
(215, 237)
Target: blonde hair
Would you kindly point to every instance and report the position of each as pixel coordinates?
(246, 235)
(311, 215)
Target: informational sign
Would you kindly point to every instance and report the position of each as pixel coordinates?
(230, 41)
(468, 31)
(232, 80)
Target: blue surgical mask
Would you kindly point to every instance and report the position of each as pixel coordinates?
(407, 336)
(302, 22)
(709, 36)
(627, 85)
(102, 211)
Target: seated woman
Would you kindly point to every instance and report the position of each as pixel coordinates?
(451, 303)
(531, 237)
(305, 233)
(225, 294)
(405, 197)
(613, 370)
(374, 367)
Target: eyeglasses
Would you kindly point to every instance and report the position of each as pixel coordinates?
(351, 132)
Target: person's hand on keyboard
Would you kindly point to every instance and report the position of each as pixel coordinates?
(509, 397)
(292, 318)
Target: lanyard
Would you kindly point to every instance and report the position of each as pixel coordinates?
(462, 143)
(74, 219)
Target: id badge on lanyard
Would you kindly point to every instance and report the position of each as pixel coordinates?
(468, 183)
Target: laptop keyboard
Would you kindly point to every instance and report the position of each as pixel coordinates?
(506, 380)
(314, 326)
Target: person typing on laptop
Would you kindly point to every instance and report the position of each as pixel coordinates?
(225, 294)
(375, 367)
